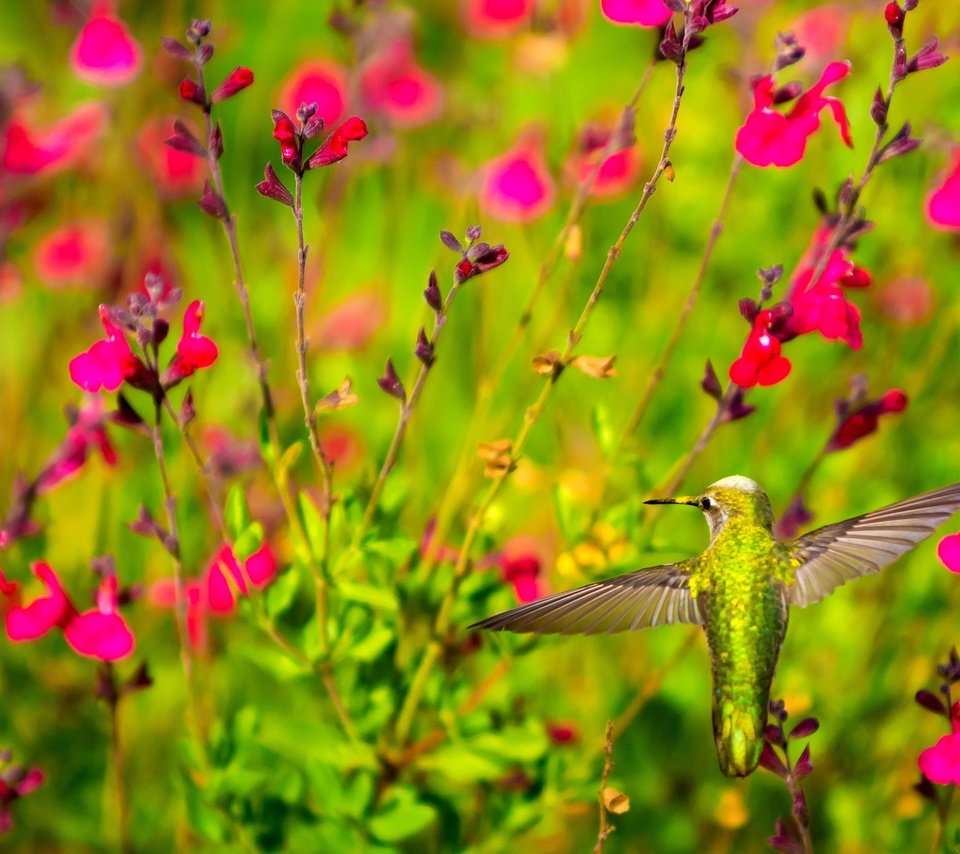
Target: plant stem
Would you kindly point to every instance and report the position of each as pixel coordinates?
(605, 827)
(432, 652)
(406, 410)
(117, 759)
(461, 481)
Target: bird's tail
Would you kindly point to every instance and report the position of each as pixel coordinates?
(738, 731)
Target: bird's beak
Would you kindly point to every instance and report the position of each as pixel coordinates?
(693, 501)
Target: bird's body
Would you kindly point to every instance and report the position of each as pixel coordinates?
(740, 589)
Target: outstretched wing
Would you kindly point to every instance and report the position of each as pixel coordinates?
(638, 600)
(836, 554)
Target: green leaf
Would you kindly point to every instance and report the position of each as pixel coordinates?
(603, 430)
(366, 594)
(312, 523)
(525, 743)
(248, 541)
(236, 513)
(402, 817)
(280, 594)
(458, 762)
(396, 551)
(204, 820)
(372, 646)
(271, 659)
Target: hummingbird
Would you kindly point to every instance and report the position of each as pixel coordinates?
(740, 589)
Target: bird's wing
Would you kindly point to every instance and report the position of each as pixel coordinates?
(638, 600)
(836, 554)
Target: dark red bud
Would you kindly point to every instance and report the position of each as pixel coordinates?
(391, 383)
(272, 187)
(432, 293)
(236, 81)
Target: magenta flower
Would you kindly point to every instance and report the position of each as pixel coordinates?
(101, 632)
(948, 550)
(27, 150)
(760, 361)
(315, 82)
(943, 203)
(258, 570)
(236, 81)
(394, 85)
(108, 362)
(54, 610)
(104, 52)
(174, 172)
(857, 422)
(194, 351)
(645, 13)
(771, 138)
(941, 763)
(517, 186)
(522, 571)
(74, 253)
(87, 431)
(15, 783)
(617, 173)
(496, 19)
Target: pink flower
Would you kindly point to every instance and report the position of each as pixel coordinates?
(522, 571)
(15, 783)
(822, 31)
(174, 173)
(645, 13)
(907, 301)
(194, 351)
(516, 185)
(340, 445)
(225, 580)
(394, 84)
(941, 763)
(108, 362)
(315, 82)
(54, 610)
(26, 150)
(760, 362)
(351, 324)
(496, 19)
(823, 306)
(236, 81)
(75, 253)
(771, 138)
(101, 632)
(334, 147)
(104, 52)
(948, 550)
(943, 203)
(617, 173)
(86, 431)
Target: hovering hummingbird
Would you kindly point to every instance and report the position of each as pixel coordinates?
(740, 590)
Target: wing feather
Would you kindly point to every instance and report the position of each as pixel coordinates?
(641, 599)
(838, 553)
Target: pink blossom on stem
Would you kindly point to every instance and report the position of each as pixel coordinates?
(108, 362)
(857, 422)
(225, 580)
(496, 19)
(15, 783)
(645, 13)
(522, 571)
(941, 763)
(101, 632)
(174, 172)
(760, 361)
(87, 431)
(334, 147)
(28, 150)
(943, 203)
(104, 51)
(517, 186)
(194, 351)
(948, 550)
(54, 610)
(770, 138)
(74, 253)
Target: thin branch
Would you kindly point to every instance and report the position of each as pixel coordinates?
(605, 827)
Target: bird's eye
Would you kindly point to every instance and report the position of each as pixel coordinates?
(705, 503)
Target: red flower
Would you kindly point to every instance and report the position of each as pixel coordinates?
(236, 81)
(175, 173)
(44, 613)
(771, 138)
(618, 171)
(563, 733)
(75, 253)
(393, 84)
(351, 324)
(334, 147)
(857, 422)
(315, 82)
(27, 150)
(194, 351)
(86, 431)
(645, 13)
(496, 19)
(15, 783)
(760, 361)
(517, 186)
(941, 763)
(104, 52)
(943, 204)
(108, 362)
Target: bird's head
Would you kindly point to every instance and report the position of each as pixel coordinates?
(731, 497)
